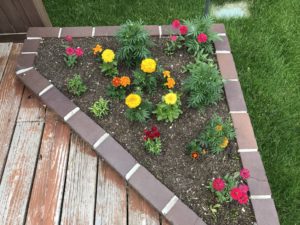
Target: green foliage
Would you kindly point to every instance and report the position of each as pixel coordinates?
(146, 82)
(203, 85)
(134, 41)
(141, 113)
(116, 92)
(100, 108)
(153, 146)
(76, 86)
(109, 69)
(213, 136)
(167, 112)
(70, 60)
(172, 46)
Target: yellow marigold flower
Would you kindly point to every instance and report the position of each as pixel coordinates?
(170, 82)
(124, 81)
(170, 98)
(224, 143)
(97, 49)
(108, 55)
(133, 100)
(148, 65)
(167, 73)
(219, 127)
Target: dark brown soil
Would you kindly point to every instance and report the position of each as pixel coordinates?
(186, 177)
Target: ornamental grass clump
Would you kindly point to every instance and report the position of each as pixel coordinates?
(76, 86)
(109, 64)
(152, 140)
(214, 138)
(169, 108)
(117, 88)
(134, 42)
(100, 108)
(203, 85)
(138, 110)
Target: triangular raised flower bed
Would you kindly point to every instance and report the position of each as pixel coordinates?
(155, 192)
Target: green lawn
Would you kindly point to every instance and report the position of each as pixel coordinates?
(267, 55)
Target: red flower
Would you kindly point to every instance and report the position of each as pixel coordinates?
(173, 38)
(70, 51)
(151, 134)
(244, 188)
(218, 184)
(154, 128)
(183, 30)
(245, 174)
(79, 51)
(68, 38)
(176, 24)
(236, 193)
(202, 38)
(243, 199)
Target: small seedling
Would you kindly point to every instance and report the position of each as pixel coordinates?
(76, 86)
(100, 108)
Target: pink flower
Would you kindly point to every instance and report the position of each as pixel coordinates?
(183, 30)
(218, 184)
(244, 188)
(173, 38)
(68, 38)
(79, 51)
(235, 193)
(243, 199)
(245, 174)
(70, 51)
(176, 24)
(202, 38)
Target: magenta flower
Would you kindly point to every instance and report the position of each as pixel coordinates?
(245, 174)
(183, 30)
(70, 51)
(218, 184)
(202, 38)
(244, 188)
(176, 24)
(243, 199)
(68, 38)
(173, 38)
(236, 193)
(79, 51)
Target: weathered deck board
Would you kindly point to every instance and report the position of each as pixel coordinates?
(10, 97)
(111, 203)
(47, 191)
(31, 108)
(19, 171)
(4, 53)
(139, 211)
(80, 188)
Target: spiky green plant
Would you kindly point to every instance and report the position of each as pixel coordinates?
(76, 86)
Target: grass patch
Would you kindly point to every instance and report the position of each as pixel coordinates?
(267, 57)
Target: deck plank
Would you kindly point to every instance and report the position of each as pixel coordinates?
(80, 190)
(4, 53)
(111, 202)
(19, 171)
(11, 91)
(47, 192)
(139, 211)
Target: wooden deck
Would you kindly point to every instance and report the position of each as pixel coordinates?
(48, 175)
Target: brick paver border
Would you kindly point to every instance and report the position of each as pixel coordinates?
(157, 194)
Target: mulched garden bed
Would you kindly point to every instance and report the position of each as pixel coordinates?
(186, 177)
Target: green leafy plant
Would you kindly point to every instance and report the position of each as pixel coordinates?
(134, 43)
(100, 108)
(203, 85)
(169, 108)
(76, 86)
(71, 55)
(109, 65)
(175, 42)
(152, 140)
(147, 82)
(214, 138)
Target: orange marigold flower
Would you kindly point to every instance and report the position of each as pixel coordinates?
(116, 81)
(167, 73)
(195, 155)
(97, 49)
(124, 81)
(219, 128)
(204, 151)
(170, 82)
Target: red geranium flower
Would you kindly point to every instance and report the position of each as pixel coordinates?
(202, 38)
(245, 174)
(151, 134)
(79, 51)
(243, 199)
(176, 24)
(68, 38)
(173, 38)
(218, 184)
(183, 30)
(70, 51)
(244, 188)
(236, 193)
